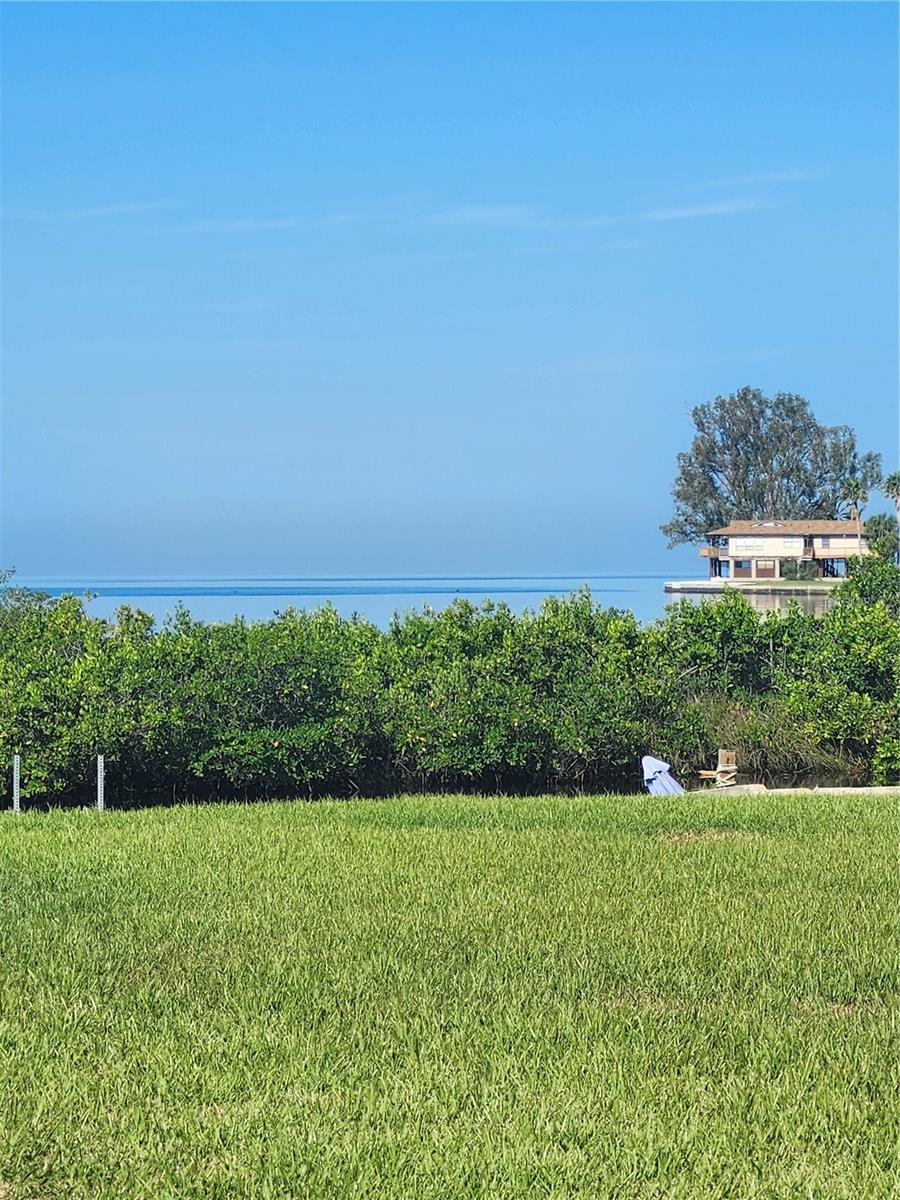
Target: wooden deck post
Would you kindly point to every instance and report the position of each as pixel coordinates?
(726, 770)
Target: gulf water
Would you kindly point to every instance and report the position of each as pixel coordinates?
(376, 598)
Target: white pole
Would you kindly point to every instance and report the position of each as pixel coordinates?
(17, 806)
(101, 771)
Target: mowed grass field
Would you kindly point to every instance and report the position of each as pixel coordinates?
(451, 997)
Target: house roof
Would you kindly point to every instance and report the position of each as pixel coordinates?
(777, 528)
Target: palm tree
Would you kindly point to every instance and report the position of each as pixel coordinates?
(891, 488)
(882, 535)
(856, 494)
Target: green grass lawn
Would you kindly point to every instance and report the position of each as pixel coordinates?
(451, 997)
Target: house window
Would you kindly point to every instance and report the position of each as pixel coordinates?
(826, 543)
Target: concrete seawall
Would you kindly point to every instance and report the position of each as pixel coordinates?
(758, 587)
(760, 789)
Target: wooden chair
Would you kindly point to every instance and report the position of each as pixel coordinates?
(725, 773)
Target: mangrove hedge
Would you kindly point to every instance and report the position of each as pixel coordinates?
(470, 698)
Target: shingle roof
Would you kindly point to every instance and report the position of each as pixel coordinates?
(810, 528)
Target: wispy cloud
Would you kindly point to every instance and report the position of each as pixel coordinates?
(521, 217)
(786, 175)
(95, 212)
(694, 211)
(515, 217)
(495, 251)
(238, 225)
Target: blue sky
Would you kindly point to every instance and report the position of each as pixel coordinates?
(384, 289)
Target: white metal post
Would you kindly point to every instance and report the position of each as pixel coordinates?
(101, 771)
(17, 805)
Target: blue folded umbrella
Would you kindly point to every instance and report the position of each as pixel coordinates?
(657, 779)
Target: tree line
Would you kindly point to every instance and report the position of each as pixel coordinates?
(566, 698)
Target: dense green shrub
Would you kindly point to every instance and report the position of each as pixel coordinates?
(565, 698)
(872, 581)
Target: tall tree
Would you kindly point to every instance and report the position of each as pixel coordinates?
(754, 457)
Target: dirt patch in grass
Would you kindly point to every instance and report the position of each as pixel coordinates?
(689, 836)
(857, 1006)
(647, 1002)
(849, 1008)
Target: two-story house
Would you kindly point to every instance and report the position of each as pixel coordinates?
(759, 549)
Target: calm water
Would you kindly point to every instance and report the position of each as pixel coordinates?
(376, 598)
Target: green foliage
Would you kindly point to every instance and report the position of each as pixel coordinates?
(452, 998)
(754, 457)
(882, 535)
(886, 760)
(793, 568)
(14, 601)
(872, 581)
(478, 699)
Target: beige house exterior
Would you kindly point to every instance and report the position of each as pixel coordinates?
(760, 549)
